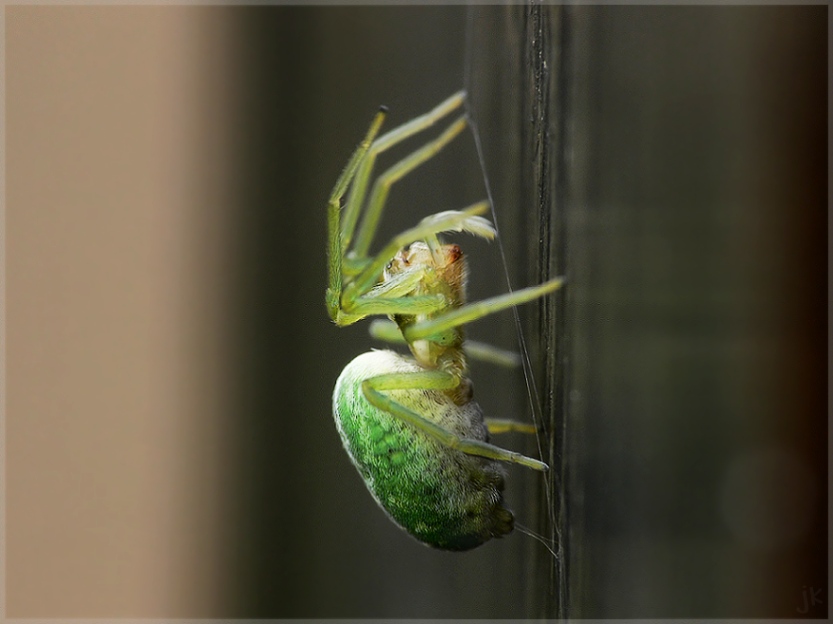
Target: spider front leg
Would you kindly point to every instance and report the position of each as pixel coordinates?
(358, 191)
(335, 248)
(383, 184)
(356, 176)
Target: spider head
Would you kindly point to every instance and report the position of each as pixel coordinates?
(443, 269)
(421, 255)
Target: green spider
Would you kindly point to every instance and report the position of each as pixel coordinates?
(409, 424)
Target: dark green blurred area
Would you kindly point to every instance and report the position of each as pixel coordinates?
(695, 224)
(689, 214)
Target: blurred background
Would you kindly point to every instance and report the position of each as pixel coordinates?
(169, 362)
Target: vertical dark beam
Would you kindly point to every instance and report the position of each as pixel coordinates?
(694, 212)
(514, 76)
(545, 141)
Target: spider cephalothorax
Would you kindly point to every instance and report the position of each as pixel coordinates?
(442, 270)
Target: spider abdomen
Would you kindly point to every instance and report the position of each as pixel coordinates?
(443, 497)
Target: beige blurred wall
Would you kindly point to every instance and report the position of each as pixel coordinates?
(118, 192)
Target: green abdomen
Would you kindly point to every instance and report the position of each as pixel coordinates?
(444, 498)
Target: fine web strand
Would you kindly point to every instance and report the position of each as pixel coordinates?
(557, 571)
(539, 538)
(529, 378)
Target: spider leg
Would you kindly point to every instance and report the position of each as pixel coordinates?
(485, 352)
(389, 331)
(358, 190)
(415, 304)
(435, 380)
(383, 183)
(392, 296)
(505, 425)
(473, 311)
(335, 248)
